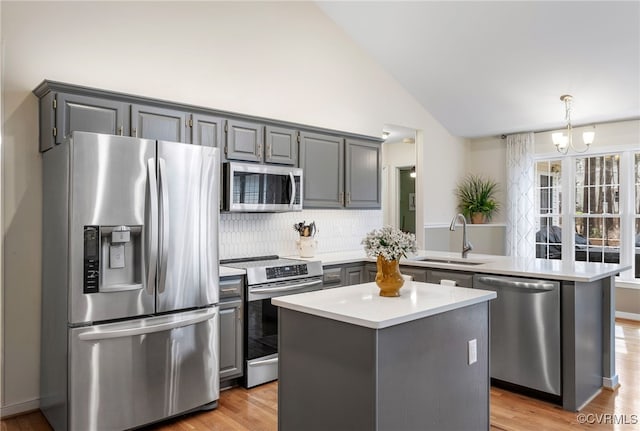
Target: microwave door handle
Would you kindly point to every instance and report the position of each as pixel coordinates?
(292, 189)
(164, 229)
(152, 220)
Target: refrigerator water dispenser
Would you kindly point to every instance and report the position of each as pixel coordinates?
(112, 258)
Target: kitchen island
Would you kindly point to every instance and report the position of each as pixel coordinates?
(353, 360)
(587, 308)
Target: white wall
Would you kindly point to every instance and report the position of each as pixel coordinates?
(283, 61)
(488, 157)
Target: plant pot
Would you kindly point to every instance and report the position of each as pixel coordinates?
(388, 277)
(477, 218)
(306, 246)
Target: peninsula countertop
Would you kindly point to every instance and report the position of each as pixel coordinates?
(361, 304)
(488, 264)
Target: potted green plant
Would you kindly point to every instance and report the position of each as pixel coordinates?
(476, 198)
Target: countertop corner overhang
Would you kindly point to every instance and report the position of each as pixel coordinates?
(362, 305)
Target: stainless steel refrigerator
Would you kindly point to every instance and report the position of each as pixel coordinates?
(129, 281)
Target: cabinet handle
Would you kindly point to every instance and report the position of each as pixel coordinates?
(134, 132)
(120, 130)
(231, 289)
(341, 198)
(260, 151)
(268, 150)
(332, 278)
(348, 197)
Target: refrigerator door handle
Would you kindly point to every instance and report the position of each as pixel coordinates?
(164, 228)
(143, 328)
(152, 219)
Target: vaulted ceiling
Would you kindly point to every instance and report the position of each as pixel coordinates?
(490, 68)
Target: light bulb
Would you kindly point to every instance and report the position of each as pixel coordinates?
(587, 137)
(559, 140)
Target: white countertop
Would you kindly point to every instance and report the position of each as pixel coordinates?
(226, 271)
(362, 305)
(490, 264)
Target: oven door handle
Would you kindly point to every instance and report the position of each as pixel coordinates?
(263, 362)
(286, 288)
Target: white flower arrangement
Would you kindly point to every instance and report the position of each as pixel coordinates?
(389, 242)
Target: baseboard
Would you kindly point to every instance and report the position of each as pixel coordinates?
(611, 383)
(19, 408)
(629, 316)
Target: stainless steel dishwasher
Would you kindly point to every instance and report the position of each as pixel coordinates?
(525, 331)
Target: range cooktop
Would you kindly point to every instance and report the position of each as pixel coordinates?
(268, 269)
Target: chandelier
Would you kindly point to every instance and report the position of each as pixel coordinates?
(564, 142)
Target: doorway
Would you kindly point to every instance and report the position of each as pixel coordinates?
(407, 199)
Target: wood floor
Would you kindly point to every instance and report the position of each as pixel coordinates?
(256, 409)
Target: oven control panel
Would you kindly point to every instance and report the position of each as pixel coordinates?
(286, 271)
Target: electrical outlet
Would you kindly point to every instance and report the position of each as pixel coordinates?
(473, 351)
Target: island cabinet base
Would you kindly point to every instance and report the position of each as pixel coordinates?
(412, 376)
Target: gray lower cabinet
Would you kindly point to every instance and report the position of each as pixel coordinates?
(322, 160)
(332, 277)
(281, 145)
(362, 174)
(231, 321)
(370, 271)
(151, 122)
(244, 141)
(418, 274)
(353, 274)
(342, 275)
(462, 279)
(406, 377)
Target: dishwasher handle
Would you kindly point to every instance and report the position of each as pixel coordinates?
(537, 286)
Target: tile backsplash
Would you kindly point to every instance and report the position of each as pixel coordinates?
(260, 234)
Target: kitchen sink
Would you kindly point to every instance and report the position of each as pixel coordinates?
(443, 260)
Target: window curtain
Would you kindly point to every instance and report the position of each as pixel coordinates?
(521, 223)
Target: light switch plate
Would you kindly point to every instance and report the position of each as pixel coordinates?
(473, 351)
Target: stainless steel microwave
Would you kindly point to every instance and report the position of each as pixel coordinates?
(249, 187)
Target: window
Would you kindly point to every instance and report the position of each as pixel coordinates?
(597, 209)
(549, 215)
(606, 204)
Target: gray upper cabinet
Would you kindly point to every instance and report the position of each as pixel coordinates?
(281, 145)
(150, 122)
(207, 130)
(322, 160)
(339, 173)
(88, 114)
(244, 141)
(335, 176)
(363, 174)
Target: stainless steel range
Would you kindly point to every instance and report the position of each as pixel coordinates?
(268, 277)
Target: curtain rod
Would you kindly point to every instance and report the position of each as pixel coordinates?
(504, 135)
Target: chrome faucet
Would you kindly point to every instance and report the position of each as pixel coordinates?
(466, 245)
